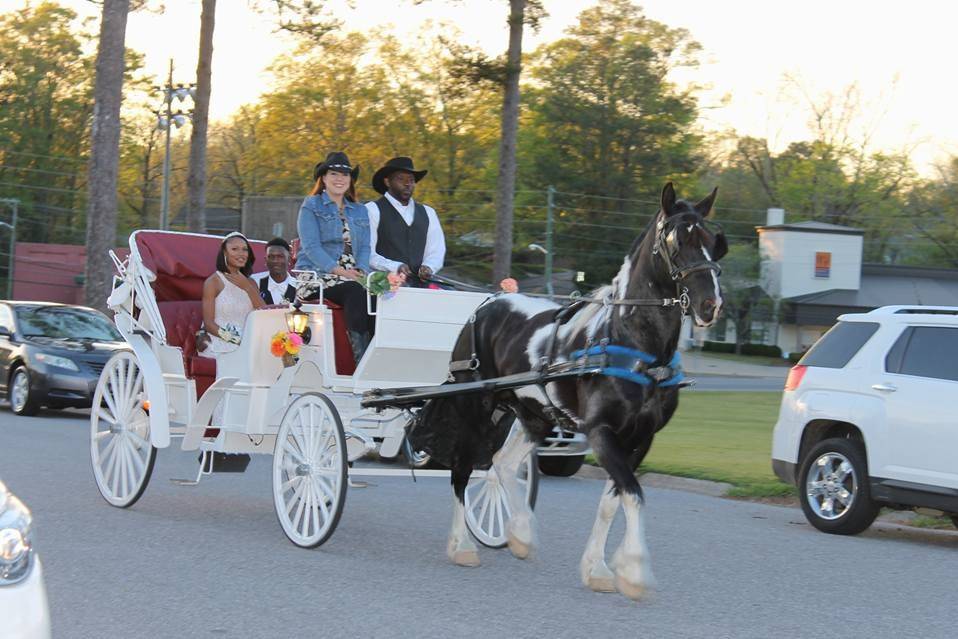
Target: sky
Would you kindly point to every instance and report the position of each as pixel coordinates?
(898, 55)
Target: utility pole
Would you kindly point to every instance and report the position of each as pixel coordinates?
(550, 206)
(166, 119)
(14, 206)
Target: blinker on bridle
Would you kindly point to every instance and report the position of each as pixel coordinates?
(667, 245)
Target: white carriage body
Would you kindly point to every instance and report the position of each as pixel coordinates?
(416, 330)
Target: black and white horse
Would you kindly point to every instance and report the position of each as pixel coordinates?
(619, 411)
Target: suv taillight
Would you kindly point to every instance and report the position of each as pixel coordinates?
(795, 376)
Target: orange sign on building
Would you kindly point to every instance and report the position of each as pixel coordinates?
(823, 264)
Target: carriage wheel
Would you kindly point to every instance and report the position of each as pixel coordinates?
(309, 470)
(120, 447)
(487, 510)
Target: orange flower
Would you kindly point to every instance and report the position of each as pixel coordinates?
(276, 348)
(509, 285)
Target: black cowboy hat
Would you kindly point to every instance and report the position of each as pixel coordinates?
(335, 160)
(396, 164)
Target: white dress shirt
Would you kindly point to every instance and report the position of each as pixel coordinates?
(433, 254)
(276, 289)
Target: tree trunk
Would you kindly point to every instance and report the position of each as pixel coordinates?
(196, 182)
(506, 184)
(105, 153)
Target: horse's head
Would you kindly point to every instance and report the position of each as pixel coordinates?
(687, 249)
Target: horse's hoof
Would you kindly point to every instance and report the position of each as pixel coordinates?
(601, 584)
(519, 549)
(466, 558)
(635, 592)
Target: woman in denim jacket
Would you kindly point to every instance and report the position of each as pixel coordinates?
(334, 242)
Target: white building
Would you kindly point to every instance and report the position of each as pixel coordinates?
(813, 271)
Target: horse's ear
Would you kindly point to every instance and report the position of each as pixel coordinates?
(720, 249)
(668, 199)
(704, 207)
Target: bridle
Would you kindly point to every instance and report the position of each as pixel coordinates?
(667, 245)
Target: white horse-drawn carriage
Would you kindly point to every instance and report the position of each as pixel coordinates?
(308, 415)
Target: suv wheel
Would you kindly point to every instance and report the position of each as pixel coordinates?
(834, 490)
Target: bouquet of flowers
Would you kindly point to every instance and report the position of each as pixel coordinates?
(286, 344)
(229, 333)
(381, 282)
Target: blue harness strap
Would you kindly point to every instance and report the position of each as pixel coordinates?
(632, 365)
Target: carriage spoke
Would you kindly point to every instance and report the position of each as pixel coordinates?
(297, 494)
(299, 437)
(135, 389)
(321, 487)
(105, 416)
(500, 528)
(135, 457)
(301, 506)
(109, 459)
(125, 397)
(314, 517)
(294, 453)
(286, 485)
(138, 442)
(308, 502)
(130, 471)
(102, 435)
(108, 398)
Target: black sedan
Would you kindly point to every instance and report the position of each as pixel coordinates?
(52, 354)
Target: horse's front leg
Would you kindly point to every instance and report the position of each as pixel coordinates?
(461, 549)
(633, 569)
(595, 572)
(630, 563)
(521, 528)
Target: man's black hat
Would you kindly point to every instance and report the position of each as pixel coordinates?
(393, 165)
(335, 160)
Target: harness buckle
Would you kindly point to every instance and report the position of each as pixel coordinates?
(684, 300)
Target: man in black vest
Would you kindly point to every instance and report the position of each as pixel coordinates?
(276, 285)
(405, 235)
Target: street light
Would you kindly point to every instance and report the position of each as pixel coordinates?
(548, 273)
(166, 120)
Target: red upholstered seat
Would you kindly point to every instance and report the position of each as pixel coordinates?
(182, 319)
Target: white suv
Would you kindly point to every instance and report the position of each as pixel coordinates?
(869, 418)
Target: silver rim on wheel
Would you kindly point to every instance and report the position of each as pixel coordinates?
(831, 486)
(120, 446)
(309, 470)
(487, 509)
(19, 390)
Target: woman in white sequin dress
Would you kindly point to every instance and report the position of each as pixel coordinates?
(228, 297)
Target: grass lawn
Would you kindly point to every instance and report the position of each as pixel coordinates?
(722, 436)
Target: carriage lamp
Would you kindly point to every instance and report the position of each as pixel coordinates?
(298, 322)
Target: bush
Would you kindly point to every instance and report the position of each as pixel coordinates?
(762, 349)
(794, 357)
(718, 347)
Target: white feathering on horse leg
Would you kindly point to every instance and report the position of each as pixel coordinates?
(595, 572)
(633, 570)
(461, 549)
(521, 529)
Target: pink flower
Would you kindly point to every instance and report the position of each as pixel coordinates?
(295, 340)
(395, 281)
(509, 285)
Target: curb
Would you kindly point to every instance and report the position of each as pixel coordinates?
(671, 482)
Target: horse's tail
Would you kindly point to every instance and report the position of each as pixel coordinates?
(455, 430)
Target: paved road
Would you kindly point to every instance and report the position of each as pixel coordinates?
(723, 383)
(211, 561)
